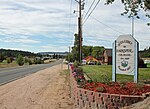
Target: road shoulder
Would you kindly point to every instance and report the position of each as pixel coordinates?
(45, 89)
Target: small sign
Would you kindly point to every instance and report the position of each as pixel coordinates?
(125, 56)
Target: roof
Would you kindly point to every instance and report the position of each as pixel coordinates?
(108, 52)
(90, 58)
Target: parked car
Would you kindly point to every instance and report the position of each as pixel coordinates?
(91, 63)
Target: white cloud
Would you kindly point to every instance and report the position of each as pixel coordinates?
(110, 24)
(18, 39)
(41, 22)
(54, 48)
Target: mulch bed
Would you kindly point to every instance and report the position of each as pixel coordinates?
(127, 88)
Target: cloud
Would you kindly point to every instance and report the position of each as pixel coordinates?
(18, 39)
(50, 24)
(107, 23)
(54, 48)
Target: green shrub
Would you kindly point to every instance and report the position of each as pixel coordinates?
(38, 61)
(20, 60)
(26, 60)
(76, 64)
(98, 63)
(30, 62)
(8, 60)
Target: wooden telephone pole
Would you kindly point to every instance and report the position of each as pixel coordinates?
(81, 5)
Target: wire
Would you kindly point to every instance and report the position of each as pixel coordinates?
(89, 9)
(106, 25)
(91, 12)
(70, 16)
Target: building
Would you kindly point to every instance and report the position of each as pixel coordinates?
(107, 57)
(89, 58)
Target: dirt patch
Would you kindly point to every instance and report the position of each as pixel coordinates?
(45, 89)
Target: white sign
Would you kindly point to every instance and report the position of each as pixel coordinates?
(125, 57)
(125, 46)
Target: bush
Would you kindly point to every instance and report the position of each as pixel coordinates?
(78, 70)
(38, 61)
(76, 64)
(8, 60)
(98, 63)
(20, 60)
(1, 58)
(30, 62)
(26, 60)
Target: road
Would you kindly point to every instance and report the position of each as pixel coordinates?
(10, 74)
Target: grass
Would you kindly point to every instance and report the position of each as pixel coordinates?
(103, 73)
(148, 64)
(4, 64)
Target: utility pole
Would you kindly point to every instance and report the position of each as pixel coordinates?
(81, 7)
(69, 58)
(132, 26)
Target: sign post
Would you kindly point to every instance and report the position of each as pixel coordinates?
(125, 57)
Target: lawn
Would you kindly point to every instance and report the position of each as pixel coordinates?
(148, 64)
(103, 73)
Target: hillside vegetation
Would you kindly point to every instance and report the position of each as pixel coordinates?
(145, 53)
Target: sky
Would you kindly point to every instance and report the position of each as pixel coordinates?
(50, 25)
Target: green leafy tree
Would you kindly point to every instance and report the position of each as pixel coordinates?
(132, 7)
(75, 48)
(97, 51)
(87, 51)
(145, 53)
(1, 57)
(20, 60)
(70, 57)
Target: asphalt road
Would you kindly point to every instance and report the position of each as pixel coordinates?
(11, 74)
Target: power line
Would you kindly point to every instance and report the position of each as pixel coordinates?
(106, 25)
(91, 12)
(89, 9)
(70, 9)
(72, 24)
(70, 17)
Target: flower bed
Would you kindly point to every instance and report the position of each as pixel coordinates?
(127, 88)
(97, 95)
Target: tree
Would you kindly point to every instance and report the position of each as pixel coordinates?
(132, 7)
(75, 48)
(70, 57)
(87, 51)
(97, 51)
(1, 57)
(20, 60)
(145, 53)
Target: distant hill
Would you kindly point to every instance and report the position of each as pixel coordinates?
(51, 53)
(15, 53)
